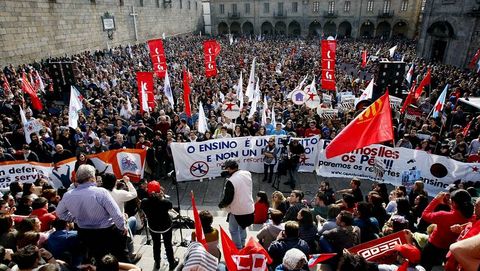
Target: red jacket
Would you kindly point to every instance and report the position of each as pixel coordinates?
(45, 217)
(261, 213)
(442, 236)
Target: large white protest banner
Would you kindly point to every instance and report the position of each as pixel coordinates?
(120, 162)
(400, 166)
(198, 160)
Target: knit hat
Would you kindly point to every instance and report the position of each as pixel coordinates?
(294, 259)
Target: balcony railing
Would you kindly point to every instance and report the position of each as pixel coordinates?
(280, 14)
(385, 14)
(330, 14)
(234, 15)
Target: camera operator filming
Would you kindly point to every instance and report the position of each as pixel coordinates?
(295, 152)
(238, 200)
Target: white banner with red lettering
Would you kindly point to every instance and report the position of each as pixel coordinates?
(399, 166)
(120, 162)
(198, 160)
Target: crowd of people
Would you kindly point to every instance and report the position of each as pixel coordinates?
(36, 219)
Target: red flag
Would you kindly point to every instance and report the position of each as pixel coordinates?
(425, 82)
(145, 91)
(381, 250)
(465, 130)
(187, 78)
(198, 224)
(328, 64)
(319, 258)
(409, 99)
(229, 249)
(27, 88)
(474, 60)
(364, 58)
(5, 84)
(211, 49)
(252, 257)
(157, 54)
(373, 125)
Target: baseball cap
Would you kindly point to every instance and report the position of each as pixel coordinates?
(153, 187)
(409, 252)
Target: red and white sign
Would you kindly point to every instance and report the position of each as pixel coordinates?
(380, 250)
(211, 49)
(145, 90)
(157, 54)
(328, 64)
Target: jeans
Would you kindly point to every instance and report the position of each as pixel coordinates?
(268, 168)
(238, 233)
(132, 225)
(292, 174)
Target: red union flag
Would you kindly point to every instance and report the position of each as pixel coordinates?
(381, 250)
(328, 64)
(211, 49)
(372, 126)
(157, 54)
(145, 91)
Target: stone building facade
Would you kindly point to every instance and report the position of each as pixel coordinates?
(345, 18)
(35, 29)
(450, 31)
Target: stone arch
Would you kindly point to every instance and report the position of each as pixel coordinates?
(383, 29)
(235, 28)
(400, 29)
(315, 29)
(247, 28)
(280, 28)
(223, 28)
(366, 30)
(345, 29)
(294, 29)
(442, 29)
(330, 29)
(267, 28)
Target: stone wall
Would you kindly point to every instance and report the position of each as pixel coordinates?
(35, 29)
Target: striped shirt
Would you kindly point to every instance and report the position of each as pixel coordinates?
(198, 259)
(91, 207)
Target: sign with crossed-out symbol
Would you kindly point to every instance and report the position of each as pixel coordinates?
(199, 169)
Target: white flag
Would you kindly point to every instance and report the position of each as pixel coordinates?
(240, 90)
(74, 106)
(378, 51)
(410, 74)
(145, 107)
(392, 50)
(274, 121)
(163, 35)
(129, 105)
(255, 100)
(313, 88)
(367, 93)
(264, 111)
(301, 83)
(40, 82)
(202, 121)
(251, 81)
(222, 97)
(231, 39)
(168, 90)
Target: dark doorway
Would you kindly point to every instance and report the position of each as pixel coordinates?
(438, 50)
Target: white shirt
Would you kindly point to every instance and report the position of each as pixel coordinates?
(122, 196)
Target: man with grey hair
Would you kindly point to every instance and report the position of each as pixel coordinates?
(100, 221)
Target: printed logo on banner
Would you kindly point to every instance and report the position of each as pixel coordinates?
(379, 249)
(298, 97)
(129, 163)
(199, 169)
(327, 113)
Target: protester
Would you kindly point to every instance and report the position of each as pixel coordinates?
(237, 199)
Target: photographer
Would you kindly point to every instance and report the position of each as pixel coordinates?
(295, 151)
(269, 159)
(237, 199)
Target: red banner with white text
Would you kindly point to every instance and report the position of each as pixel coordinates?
(211, 49)
(381, 250)
(157, 54)
(146, 97)
(328, 64)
